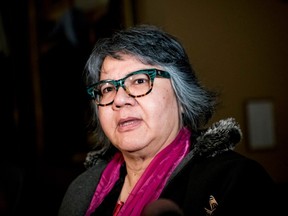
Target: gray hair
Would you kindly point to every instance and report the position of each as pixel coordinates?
(152, 46)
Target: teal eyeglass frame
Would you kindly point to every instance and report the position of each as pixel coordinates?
(152, 73)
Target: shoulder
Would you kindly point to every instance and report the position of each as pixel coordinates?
(228, 165)
(236, 166)
(88, 178)
(79, 193)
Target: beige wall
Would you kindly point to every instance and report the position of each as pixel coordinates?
(239, 48)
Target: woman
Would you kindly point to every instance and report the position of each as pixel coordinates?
(149, 118)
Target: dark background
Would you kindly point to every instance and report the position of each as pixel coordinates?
(43, 99)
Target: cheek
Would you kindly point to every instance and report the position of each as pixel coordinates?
(168, 99)
(165, 104)
(104, 118)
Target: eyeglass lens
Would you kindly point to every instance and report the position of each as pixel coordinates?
(136, 85)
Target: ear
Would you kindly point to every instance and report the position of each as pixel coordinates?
(181, 109)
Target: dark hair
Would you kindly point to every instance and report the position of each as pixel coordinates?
(151, 45)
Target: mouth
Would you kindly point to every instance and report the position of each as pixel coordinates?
(128, 124)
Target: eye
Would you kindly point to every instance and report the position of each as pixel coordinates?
(106, 88)
(139, 79)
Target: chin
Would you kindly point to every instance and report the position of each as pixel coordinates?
(131, 149)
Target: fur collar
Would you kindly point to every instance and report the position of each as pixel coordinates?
(221, 136)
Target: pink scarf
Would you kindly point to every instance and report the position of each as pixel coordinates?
(152, 181)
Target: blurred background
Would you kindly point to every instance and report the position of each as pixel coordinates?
(239, 48)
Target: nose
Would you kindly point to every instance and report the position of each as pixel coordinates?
(122, 98)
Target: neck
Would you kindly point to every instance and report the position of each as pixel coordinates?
(135, 168)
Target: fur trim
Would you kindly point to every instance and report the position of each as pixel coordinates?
(221, 136)
(92, 158)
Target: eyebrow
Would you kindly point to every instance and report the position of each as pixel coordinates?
(125, 75)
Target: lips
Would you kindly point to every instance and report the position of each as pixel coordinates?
(128, 124)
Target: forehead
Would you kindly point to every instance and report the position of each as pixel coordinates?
(118, 68)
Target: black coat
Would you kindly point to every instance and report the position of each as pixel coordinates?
(211, 180)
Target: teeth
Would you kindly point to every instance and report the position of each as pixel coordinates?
(126, 123)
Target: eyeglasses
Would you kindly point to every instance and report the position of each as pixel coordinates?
(136, 84)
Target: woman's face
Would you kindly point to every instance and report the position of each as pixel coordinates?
(143, 125)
